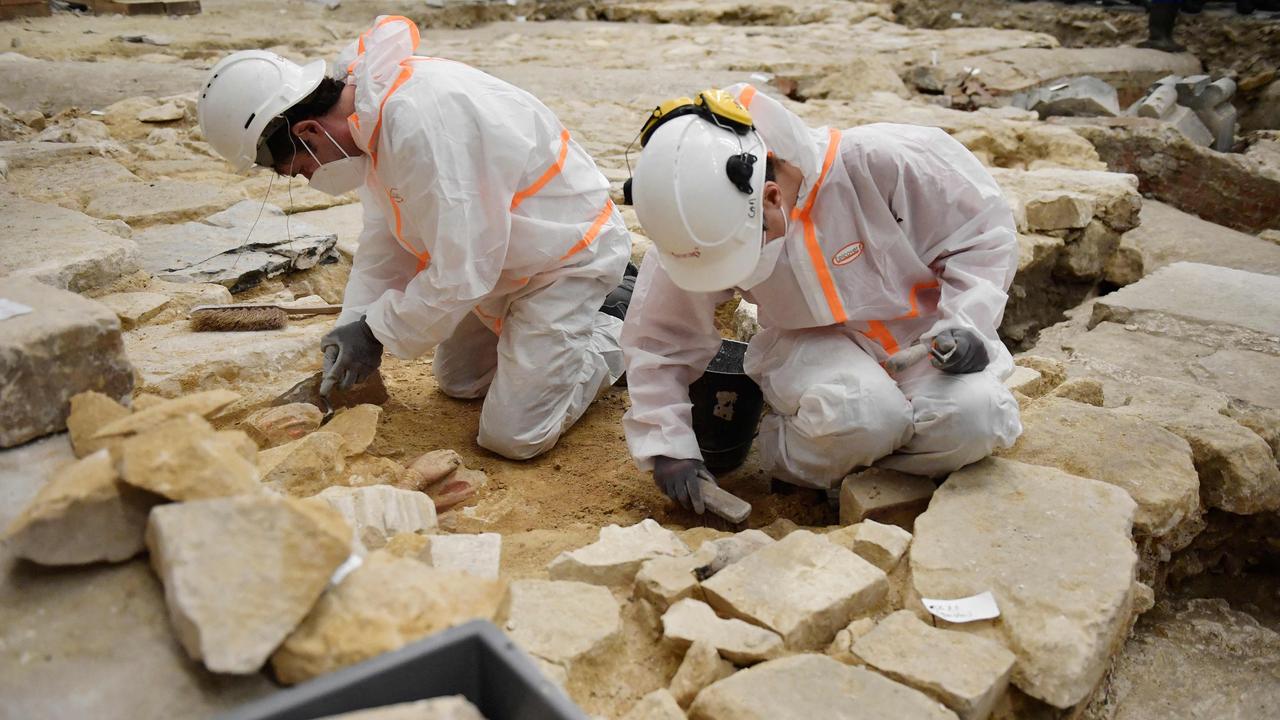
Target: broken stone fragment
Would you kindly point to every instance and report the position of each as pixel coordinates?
(657, 705)
(371, 390)
(1081, 390)
(433, 467)
(966, 672)
(616, 557)
(185, 459)
(560, 621)
(304, 467)
(1055, 552)
(135, 308)
(802, 587)
(365, 470)
(881, 545)
(701, 666)
(885, 496)
(274, 426)
(379, 512)
(456, 489)
(442, 708)
(842, 647)
(689, 621)
(812, 686)
(168, 112)
(241, 572)
(90, 411)
(732, 549)
(82, 515)
(66, 345)
(666, 580)
(384, 604)
(1058, 211)
(357, 426)
(1052, 372)
(479, 555)
(204, 404)
(1150, 463)
(1024, 380)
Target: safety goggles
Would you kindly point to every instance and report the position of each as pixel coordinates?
(716, 106)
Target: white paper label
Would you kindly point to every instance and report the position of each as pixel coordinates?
(9, 308)
(963, 610)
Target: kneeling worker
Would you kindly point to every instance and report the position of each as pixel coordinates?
(856, 245)
(488, 235)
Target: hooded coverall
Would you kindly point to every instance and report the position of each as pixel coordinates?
(489, 235)
(898, 233)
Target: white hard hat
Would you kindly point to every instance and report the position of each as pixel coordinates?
(245, 92)
(707, 228)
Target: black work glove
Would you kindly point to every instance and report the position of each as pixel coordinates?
(958, 351)
(351, 354)
(681, 481)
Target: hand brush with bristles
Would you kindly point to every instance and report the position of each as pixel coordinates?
(241, 318)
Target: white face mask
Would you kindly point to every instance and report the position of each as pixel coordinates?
(769, 255)
(340, 176)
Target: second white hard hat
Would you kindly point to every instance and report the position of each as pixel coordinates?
(246, 91)
(705, 224)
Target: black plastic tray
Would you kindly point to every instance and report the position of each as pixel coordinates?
(475, 660)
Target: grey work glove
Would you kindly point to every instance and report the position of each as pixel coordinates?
(958, 351)
(351, 354)
(681, 480)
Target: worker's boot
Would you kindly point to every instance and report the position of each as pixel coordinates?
(1160, 19)
(617, 301)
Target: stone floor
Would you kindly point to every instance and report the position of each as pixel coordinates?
(1152, 412)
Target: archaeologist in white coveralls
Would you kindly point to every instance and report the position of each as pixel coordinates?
(856, 245)
(489, 234)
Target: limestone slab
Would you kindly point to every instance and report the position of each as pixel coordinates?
(802, 587)
(72, 253)
(1222, 296)
(1168, 235)
(135, 308)
(1150, 463)
(1054, 550)
(479, 554)
(885, 496)
(140, 204)
(616, 557)
(184, 459)
(689, 621)
(65, 346)
(965, 672)
(881, 545)
(667, 580)
(701, 666)
(357, 426)
(560, 621)
(379, 512)
(241, 572)
(384, 604)
(82, 515)
(803, 687)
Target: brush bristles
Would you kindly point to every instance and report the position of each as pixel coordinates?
(239, 319)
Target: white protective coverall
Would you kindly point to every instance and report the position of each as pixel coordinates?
(898, 233)
(488, 235)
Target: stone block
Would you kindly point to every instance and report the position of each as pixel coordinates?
(90, 412)
(1024, 380)
(689, 621)
(479, 555)
(730, 550)
(842, 647)
(965, 672)
(1053, 549)
(665, 580)
(1168, 235)
(305, 467)
(141, 204)
(385, 603)
(810, 686)
(657, 705)
(801, 587)
(1159, 103)
(82, 515)
(1222, 297)
(1186, 122)
(885, 496)
(379, 512)
(202, 404)
(702, 666)
(135, 308)
(616, 557)
(1053, 211)
(72, 253)
(273, 426)
(184, 459)
(241, 572)
(1085, 256)
(1079, 96)
(881, 545)
(357, 426)
(560, 621)
(1148, 462)
(66, 345)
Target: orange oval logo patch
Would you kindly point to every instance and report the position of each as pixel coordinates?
(847, 254)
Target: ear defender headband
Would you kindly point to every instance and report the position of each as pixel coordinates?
(717, 107)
